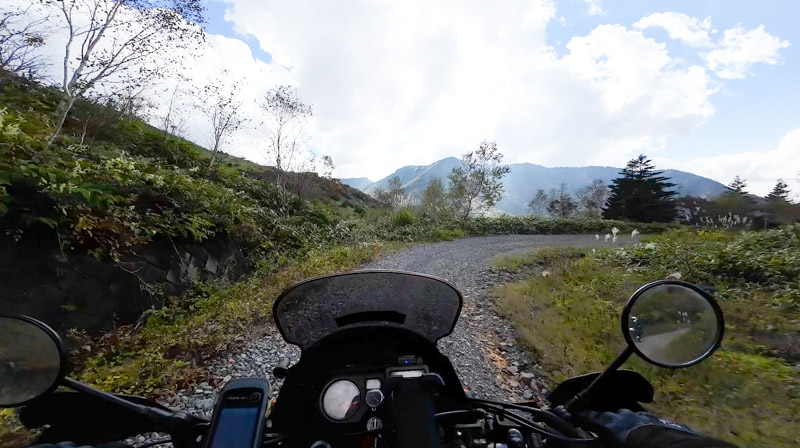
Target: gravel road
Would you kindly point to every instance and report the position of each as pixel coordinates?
(482, 346)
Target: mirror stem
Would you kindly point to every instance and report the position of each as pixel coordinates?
(574, 404)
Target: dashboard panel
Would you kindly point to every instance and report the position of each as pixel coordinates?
(369, 358)
(361, 399)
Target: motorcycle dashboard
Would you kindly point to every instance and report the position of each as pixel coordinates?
(358, 403)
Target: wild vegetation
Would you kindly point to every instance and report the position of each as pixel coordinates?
(110, 183)
(79, 163)
(107, 188)
(126, 184)
(748, 392)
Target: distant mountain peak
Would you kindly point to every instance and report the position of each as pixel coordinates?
(359, 183)
(525, 178)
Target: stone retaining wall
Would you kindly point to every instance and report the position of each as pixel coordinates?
(79, 291)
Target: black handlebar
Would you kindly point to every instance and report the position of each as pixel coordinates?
(105, 417)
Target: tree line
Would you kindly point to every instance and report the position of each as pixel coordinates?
(736, 202)
(641, 193)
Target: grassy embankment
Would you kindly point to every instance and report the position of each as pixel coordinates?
(748, 392)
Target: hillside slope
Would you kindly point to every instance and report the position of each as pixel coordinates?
(115, 216)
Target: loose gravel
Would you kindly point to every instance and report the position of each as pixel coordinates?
(483, 346)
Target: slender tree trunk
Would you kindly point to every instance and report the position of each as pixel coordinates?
(213, 156)
(84, 131)
(62, 110)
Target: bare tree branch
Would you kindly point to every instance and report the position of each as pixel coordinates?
(285, 119)
(222, 108)
(21, 33)
(122, 42)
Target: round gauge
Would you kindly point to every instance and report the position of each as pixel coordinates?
(374, 398)
(341, 400)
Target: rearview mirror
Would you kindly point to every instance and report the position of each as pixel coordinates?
(668, 323)
(672, 324)
(31, 360)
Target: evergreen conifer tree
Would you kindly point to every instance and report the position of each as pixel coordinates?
(641, 194)
(780, 191)
(738, 185)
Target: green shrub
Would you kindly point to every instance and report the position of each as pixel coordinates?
(767, 261)
(534, 225)
(448, 234)
(404, 217)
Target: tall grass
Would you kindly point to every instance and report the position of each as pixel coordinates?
(748, 392)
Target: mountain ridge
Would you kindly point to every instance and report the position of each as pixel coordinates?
(525, 178)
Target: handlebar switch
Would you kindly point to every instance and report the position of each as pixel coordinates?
(282, 369)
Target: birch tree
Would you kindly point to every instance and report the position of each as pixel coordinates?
(538, 205)
(285, 119)
(222, 108)
(592, 198)
(121, 42)
(173, 121)
(477, 184)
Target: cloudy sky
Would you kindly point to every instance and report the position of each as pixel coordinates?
(707, 86)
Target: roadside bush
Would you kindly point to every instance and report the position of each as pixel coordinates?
(770, 258)
(404, 217)
(534, 225)
(765, 260)
(448, 234)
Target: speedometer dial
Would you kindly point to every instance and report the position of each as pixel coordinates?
(341, 400)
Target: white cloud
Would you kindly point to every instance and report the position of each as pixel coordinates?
(631, 70)
(761, 169)
(408, 83)
(595, 7)
(398, 83)
(739, 49)
(689, 30)
(731, 56)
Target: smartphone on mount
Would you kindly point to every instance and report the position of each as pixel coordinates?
(239, 415)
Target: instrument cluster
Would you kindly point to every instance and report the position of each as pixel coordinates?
(343, 398)
(361, 398)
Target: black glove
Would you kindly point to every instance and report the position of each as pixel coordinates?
(626, 429)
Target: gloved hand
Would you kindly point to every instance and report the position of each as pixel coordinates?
(626, 429)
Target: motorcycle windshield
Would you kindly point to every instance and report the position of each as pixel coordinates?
(315, 308)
